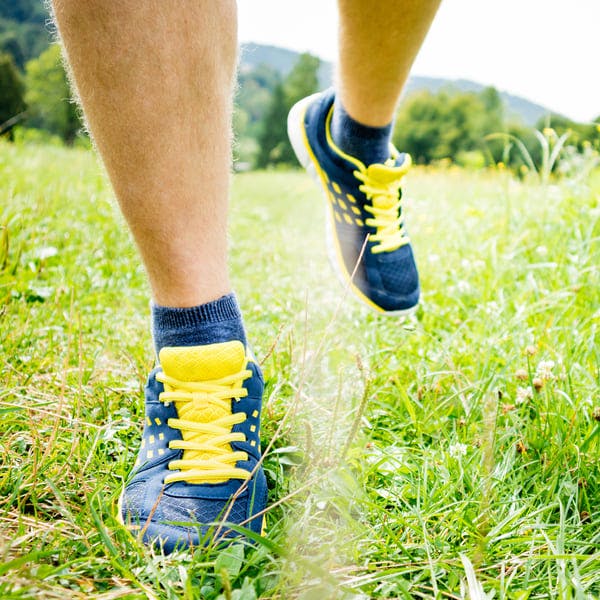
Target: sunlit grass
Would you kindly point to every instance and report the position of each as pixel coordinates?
(451, 453)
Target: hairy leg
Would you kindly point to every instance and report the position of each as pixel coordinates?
(378, 43)
(155, 80)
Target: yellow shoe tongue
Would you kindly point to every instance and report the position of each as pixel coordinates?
(203, 363)
(385, 174)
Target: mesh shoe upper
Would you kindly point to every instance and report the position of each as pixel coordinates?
(179, 507)
(365, 215)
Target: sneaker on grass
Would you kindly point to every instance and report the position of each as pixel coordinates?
(198, 466)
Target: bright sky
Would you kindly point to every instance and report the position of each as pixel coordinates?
(547, 51)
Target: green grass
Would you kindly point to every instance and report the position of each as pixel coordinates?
(406, 463)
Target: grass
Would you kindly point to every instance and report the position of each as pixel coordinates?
(452, 455)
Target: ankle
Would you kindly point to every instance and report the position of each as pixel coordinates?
(210, 323)
(368, 144)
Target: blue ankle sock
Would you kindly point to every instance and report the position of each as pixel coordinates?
(368, 144)
(211, 323)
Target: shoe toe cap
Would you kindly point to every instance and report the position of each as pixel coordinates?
(394, 280)
(176, 521)
(184, 522)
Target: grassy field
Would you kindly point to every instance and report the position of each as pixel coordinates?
(452, 455)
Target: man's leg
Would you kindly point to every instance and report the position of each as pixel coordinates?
(343, 137)
(378, 43)
(155, 80)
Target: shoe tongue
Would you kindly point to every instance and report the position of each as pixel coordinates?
(203, 363)
(385, 173)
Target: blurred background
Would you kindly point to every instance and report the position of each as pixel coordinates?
(488, 77)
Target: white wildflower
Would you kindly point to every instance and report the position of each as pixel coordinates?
(523, 394)
(544, 370)
(522, 374)
(492, 308)
(458, 449)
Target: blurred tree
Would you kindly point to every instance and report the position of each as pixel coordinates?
(447, 124)
(273, 137)
(23, 31)
(23, 10)
(252, 101)
(303, 79)
(273, 141)
(22, 41)
(12, 101)
(253, 96)
(493, 106)
(49, 97)
(11, 43)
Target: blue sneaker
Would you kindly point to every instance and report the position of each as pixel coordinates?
(197, 468)
(367, 241)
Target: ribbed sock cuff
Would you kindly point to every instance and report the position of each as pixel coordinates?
(210, 323)
(224, 309)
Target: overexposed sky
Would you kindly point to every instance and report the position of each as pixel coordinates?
(547, 51)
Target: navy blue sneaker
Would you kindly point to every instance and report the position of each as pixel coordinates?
(198, 466)
(367, 240)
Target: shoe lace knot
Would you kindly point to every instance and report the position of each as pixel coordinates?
(205, 420)
(381, 185)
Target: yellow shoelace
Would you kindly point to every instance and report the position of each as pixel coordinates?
(385, 204)
(205, 420)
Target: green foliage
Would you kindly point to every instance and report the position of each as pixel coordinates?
(550, 146)
(272, 140)
(11, 91)
(11, 43)
(23, 11)
(560, 148)
(580, 134)
(471, 130)
(303, 79)
(22, 41)
(23, 32)
(443, 125)
(252, 101)
(274, 145)
(49, 97)
(23, 135)
(254, 91)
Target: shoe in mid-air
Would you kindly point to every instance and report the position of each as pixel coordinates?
(367, 240)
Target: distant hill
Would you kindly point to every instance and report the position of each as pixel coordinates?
(24, 33)
(282, 60)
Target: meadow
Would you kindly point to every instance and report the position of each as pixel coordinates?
(453, 454)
